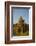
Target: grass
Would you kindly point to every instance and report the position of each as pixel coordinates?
(21, 34)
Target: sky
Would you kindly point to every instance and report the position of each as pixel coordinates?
(17, 12)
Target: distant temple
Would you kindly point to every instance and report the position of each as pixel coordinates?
(20, 26)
